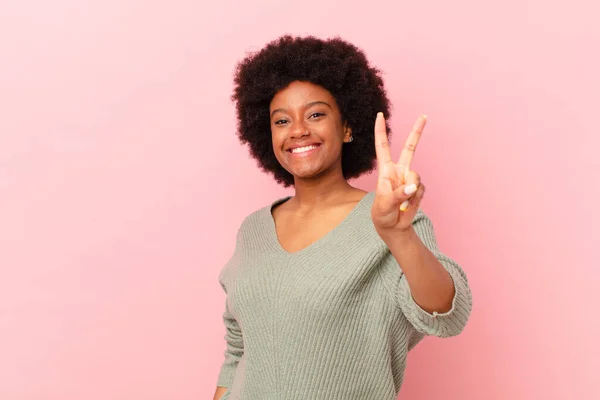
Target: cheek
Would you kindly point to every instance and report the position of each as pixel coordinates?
(276, 140)
(276, 145)
(336, 135)
(336, 131)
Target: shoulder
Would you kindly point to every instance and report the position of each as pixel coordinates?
(258, 219)
(245, 231)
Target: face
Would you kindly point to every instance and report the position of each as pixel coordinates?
(307, 130)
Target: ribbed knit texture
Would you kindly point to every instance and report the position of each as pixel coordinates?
(332, 321)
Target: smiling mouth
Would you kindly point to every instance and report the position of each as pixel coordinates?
(300, 150)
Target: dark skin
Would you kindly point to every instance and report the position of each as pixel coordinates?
(304, 114)
(306, 117)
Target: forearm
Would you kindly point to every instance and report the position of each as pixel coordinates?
(219, 392)
(430, 284)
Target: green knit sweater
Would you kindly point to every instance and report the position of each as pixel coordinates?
(332, 321)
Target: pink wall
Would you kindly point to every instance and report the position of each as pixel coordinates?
(122, 186)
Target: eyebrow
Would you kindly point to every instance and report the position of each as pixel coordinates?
(308, 105)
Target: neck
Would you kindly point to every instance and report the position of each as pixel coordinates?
(322, 192)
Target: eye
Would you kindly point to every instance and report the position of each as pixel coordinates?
(316, 115)
(280, 122)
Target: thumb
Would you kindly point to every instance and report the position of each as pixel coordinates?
(404, 192)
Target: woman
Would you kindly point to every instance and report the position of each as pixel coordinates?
(328, 290)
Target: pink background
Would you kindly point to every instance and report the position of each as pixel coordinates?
(122, 186)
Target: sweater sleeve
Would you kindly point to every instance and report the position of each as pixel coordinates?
(234, 349)
(445, 324)
(233, 333)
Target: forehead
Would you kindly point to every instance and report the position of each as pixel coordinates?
(297, 94)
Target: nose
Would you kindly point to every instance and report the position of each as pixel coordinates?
(298, 130)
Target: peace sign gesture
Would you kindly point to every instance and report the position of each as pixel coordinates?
(399, 189)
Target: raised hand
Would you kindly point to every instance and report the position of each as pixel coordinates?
(399, 189)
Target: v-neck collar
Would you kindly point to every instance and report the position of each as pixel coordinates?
(272, 229)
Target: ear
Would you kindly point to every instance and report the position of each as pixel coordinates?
(347, 132)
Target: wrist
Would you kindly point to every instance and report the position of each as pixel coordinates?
(395, 237)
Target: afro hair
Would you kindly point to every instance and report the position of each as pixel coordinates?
(336, 65)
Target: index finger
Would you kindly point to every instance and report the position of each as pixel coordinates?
(382, 145)
(411, 143)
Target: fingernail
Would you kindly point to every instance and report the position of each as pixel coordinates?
(379, 115)
(404, 205)
(425, 116)
(410, 189)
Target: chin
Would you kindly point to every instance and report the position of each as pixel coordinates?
(307, 174)
(306, 171)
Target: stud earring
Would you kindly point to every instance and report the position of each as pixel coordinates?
(351, 139)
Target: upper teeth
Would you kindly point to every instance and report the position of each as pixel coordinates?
(303, 149)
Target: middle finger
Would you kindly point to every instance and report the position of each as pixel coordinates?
(411, 143)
